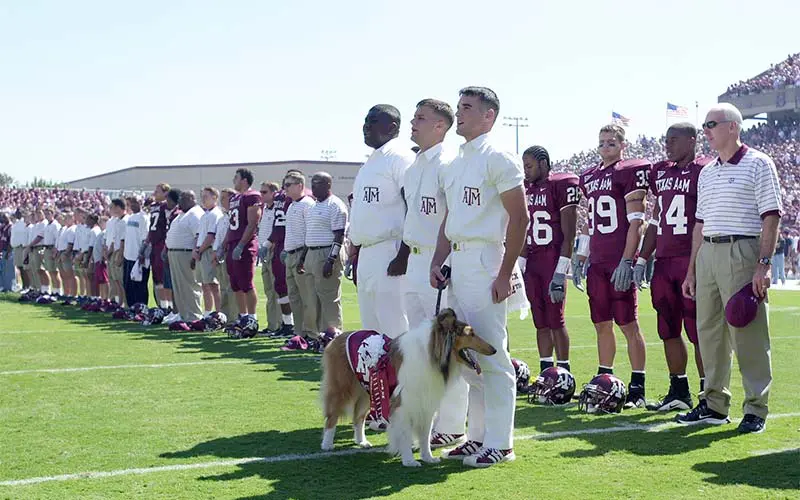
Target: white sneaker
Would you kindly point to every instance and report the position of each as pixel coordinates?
(490, 456)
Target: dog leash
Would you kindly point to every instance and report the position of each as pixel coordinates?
(441, 285)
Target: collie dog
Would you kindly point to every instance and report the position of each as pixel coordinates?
(423, 361)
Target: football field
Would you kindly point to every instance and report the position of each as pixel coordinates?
(92, 407)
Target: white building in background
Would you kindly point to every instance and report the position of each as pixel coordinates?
(196, 177)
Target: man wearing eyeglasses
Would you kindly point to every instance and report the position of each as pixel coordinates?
(300, 284)
(738, 210)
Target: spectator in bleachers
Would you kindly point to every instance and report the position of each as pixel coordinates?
(785, 73)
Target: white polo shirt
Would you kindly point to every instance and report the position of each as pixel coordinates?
(182, 234)
(111, 228)
(378, 210)
(38, 232)
(96, 242)
(223, 224)
(136, 229)
(81, 238)
(424, 198)
(51, 233)
(19, 234)
(208, 224)
(296, 217)
(473, 184)
(119, 232)
(323, 219)
(734, 196)
(265, 224)
(66, 238)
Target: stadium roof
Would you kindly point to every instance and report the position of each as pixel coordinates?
(227, 165)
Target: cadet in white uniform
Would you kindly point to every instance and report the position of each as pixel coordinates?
(377, 216)
(485, 208)
(426, 207)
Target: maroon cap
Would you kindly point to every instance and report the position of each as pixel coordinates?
(742, 307)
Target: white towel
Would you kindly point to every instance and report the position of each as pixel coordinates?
(136, 272)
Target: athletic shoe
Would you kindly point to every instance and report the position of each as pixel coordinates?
(702, 414)
(285, 331)
(752, 424)
(672, 401)
(490, 456)
(440, 440)
(635, 398)
(463, 451)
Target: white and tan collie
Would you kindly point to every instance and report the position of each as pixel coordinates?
(424, 360)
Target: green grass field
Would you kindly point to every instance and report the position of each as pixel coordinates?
(96, 408)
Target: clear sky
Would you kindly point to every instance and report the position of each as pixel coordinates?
(92, 86)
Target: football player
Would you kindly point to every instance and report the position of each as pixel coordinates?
(674, 183)
(157, 237)
(552, 201)
(242, 244)
(615, 190)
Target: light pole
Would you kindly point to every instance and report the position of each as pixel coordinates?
(517, 122)
(327, 154)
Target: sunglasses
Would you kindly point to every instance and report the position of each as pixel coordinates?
(264, 192)
(713, 124)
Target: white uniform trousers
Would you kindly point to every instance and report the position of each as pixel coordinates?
(381, 298)
(492, 394)
(421, 306)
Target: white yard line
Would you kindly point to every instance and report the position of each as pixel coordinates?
(658, 427)
(159, 365)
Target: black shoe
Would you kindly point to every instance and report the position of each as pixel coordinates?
(635, 398)
(702, 414)
(672, 401)
(752, 424)
(285, 331)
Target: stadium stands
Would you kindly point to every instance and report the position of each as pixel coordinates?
(784, 74)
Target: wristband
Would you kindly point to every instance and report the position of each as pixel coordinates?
(563, 265)
(336, 248)
(641, 262)
(635, 216)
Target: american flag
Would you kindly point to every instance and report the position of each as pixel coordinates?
(677, 111)
(618, 119)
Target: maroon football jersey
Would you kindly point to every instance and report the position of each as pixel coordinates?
(545, 202)
(282, 203)
(240, 202)
(605, 190)
(676, 191)
(158, 224)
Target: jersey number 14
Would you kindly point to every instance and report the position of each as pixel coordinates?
(675, 215)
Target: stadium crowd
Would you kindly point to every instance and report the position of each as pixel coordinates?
(784, 74)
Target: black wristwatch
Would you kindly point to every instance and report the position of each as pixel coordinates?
(765, 261)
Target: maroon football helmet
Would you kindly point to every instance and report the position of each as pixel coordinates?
(605, 393)
(523, 373)
(554, 386)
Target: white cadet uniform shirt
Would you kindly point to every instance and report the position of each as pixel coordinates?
(111, 227)
(182, 233)
(426, 208)
(66, 237)
(378, 210)
(323, 219)
(95, 241)
(81, 240)
(296, 217)
(19, 234)
(136, 229)
(208, 224)
(38, 232)
(376, 223)
(51, 233)
(476, 226)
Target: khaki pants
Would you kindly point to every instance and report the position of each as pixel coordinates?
(228, 303)
(302, 297)
(327, 290)
(722, 270)
(273, 308)
(185, 285)
(50, 261)
(19, 256)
